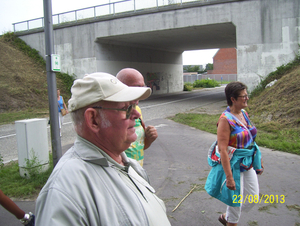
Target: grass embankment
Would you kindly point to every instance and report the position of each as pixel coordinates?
(23, 81)
(275, 111)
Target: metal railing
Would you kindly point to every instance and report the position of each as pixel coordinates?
(110, 8)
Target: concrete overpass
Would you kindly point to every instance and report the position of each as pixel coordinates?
(266, 34)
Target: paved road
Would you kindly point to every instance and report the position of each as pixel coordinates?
(176, 162)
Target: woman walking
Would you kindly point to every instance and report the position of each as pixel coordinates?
(235, 157)
(61, 107)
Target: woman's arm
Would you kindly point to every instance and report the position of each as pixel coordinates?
(223, 135)
(65, 105)
(8, 204)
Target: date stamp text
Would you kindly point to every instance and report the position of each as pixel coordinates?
(256, 199)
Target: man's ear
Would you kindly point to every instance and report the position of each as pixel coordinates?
(92, 119)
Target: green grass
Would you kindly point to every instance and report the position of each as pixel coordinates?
(203, 122)
(282, 139)
(224, 82)
(286, 140)
(15, 186)
(10, 117)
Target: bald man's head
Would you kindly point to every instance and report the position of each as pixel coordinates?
(131, 77)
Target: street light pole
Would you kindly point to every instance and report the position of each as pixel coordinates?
(51, 81)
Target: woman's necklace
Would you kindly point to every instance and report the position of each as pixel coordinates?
(239, 115)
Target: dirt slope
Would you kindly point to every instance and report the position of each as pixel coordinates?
(23, 84)
(281, 102)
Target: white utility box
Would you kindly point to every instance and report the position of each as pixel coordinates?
(32, 141)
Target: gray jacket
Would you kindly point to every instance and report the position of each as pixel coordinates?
(87, 189)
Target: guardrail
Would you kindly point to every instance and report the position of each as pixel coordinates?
(110, 8)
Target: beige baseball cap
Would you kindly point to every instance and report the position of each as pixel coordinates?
(99, 86)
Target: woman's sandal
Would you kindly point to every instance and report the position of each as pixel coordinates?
(222, 220)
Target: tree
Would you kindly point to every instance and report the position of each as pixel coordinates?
(209, 66)
(196, 68)
(190, 68)
(187, 68)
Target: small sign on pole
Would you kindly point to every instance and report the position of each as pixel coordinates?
(55, 62)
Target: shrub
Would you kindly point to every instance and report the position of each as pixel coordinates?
(67, 81)
(188, 86)
(205, 83)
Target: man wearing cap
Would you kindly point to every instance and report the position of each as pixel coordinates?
(94, 183)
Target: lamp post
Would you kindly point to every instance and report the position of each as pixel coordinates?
(51, 81)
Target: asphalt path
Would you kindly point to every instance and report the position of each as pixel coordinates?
(177, 166)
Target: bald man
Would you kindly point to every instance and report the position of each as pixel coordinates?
(145, 135)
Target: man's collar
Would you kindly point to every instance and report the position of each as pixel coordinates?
(89, 152)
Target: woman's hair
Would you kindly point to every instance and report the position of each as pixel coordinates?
(233, 89)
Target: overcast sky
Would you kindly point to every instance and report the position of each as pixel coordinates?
(13, 11)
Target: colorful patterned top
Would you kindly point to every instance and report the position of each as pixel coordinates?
(239, 137)
(136, 149)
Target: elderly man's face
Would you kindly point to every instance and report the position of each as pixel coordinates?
(117, 131)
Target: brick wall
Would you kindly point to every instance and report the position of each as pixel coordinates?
(224, 62)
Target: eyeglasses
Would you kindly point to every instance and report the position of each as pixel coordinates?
(245, 96)
(128, 110)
